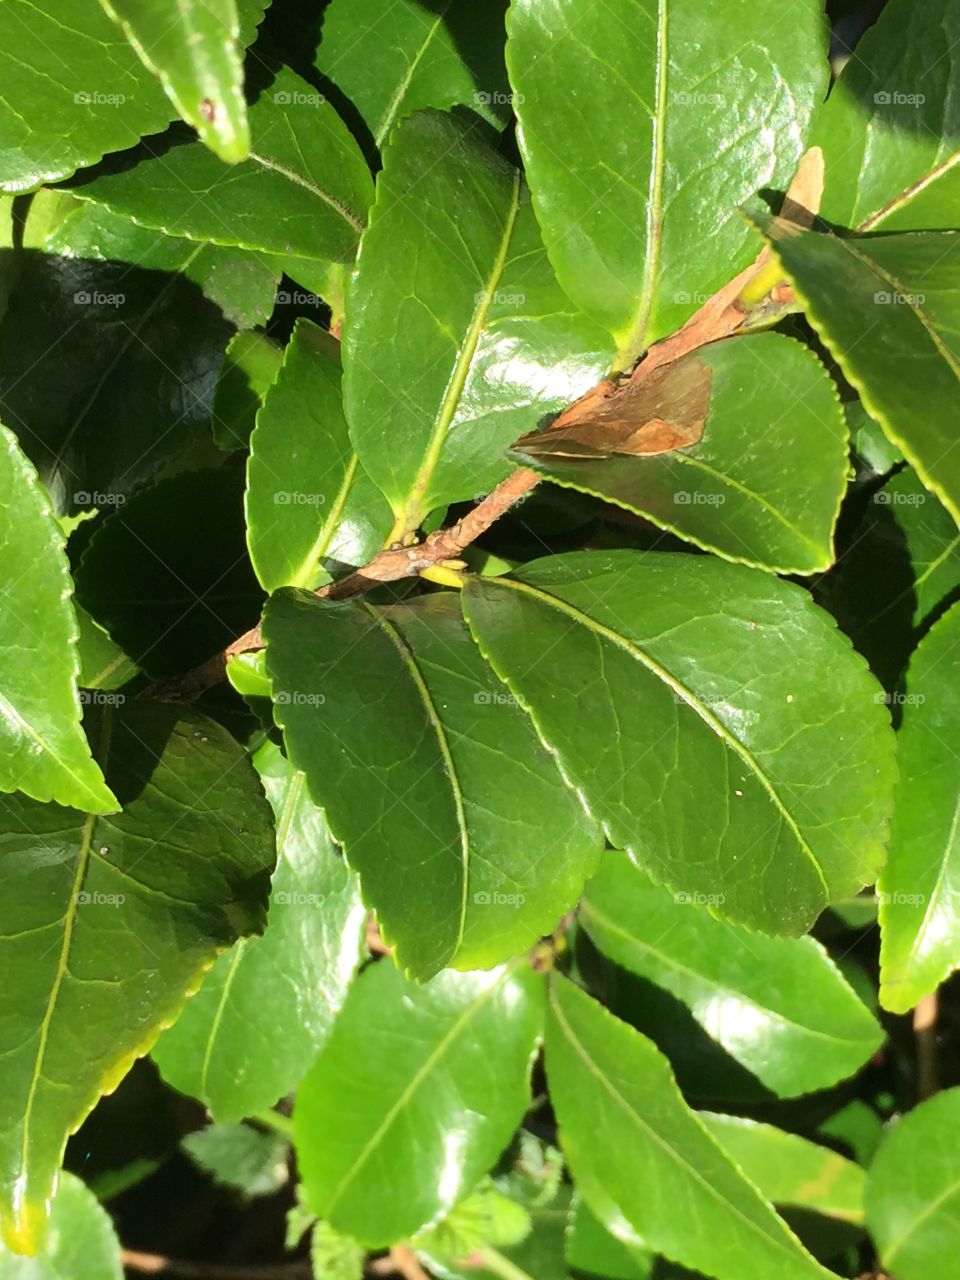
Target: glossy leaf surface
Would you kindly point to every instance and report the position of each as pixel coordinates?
(453, 350)
(415, 1095)
(637, 1151)
(714, 721)
(643, 128)
(432, 778)
(43, 750)
(265, 1008)
(131, 908)
(778, 1005)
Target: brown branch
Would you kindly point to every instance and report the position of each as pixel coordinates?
(720, 317)
(155, 1264)
(925, 1032)
(391, 565)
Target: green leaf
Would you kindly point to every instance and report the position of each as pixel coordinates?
(242, 285)
(172, 593)
(250, 365)
(486, 1217)
(913, 1189)
(468, 845)
(764, 484)
(84, 340)
(690, 112)
(778, 1005)
(194, 48)
(79, 1244)
(464, 341)
(901, 569)
(714, 721)
(414, 1096)
(133, 908)
(889, 129)
(73, 90)
(393, 57)
(238, 1156)
(335, 1256)
(304, 190)
(103, 664)
(886, 307)
(637, 1152)
(310, 507)
(789, 1170)
(43, 751)
(918, 887)
(590, 1248)
(283, 988)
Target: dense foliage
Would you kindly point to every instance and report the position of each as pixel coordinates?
(479, 660)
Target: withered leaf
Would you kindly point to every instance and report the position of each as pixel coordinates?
(639, 417)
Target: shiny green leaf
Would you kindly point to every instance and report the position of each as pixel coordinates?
(919, 888)
(283, 989)
(43, 751)
(251, 1161)
(901, 569)
(455, 347)
(393, 57)
(250, 364)
(778, 1005)
(80, 1243)
(638, 1154)
(913, 1191)
(886, 307)
(468, 845)
(241, 284)
(103, 664)
(310, 507)
(788, 1169)
(890, 130)
(714, 721)
(764, 484)
(415, 1095)
(644, 126)
(194, 47)
(304, 189)
(127, 910)
(73, 90)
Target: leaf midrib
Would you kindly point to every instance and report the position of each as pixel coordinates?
(416, 1080)
(671, 1151)
(588, 908)
(411, 514)
(689, 697)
